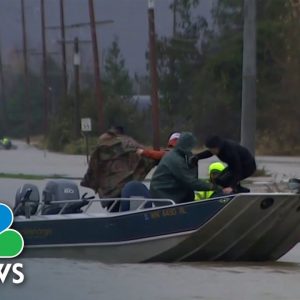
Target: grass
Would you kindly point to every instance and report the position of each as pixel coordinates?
(33, 177)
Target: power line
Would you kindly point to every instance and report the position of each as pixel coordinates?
(79, 25)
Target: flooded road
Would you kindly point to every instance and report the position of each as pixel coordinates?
(67, 279)
(49, 279)
(29, 160)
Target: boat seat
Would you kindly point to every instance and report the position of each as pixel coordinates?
(134, 189)
(31, 192)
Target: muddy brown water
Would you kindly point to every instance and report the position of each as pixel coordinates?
(67, 279)
(70, 280)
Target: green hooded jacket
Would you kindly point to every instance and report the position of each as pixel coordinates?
(173, 178)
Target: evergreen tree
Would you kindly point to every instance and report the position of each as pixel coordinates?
(179, 59)
(116, 77)
(201, 72)
(120, 109)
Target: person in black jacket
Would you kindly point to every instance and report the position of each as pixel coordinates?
(240, 162)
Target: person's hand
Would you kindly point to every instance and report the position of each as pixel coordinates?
(227, 190)
(193, 161)
(139, 151)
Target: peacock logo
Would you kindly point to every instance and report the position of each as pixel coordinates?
(11, 245)
(11, 241)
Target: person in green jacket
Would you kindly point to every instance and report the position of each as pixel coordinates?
(214, 170)
(174, 179)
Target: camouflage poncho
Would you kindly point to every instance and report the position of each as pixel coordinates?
(113, 164)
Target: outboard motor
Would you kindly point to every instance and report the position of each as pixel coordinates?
(61, 190)
(27, 200)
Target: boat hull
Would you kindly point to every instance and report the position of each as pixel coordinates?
(246, 227)
(244, 230)
(132, 252)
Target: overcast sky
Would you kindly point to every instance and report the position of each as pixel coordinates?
(130, 25)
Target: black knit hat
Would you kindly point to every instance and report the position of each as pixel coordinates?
(214, 141)
(116, 130)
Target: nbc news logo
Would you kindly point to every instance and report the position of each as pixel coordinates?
(11, 245)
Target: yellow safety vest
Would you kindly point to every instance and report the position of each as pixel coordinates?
(203, 195)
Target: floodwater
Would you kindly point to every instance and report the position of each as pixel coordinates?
(66, 279)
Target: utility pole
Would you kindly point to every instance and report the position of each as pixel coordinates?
(26, 79)
(45, 68)
(63, 49)
(154, 76)
(99, 92)
(248, 119)
(77, 87)
(76, 62)
(92, 24)
(3, 96)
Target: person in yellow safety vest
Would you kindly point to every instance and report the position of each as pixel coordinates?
(214, 170)
(5, 141)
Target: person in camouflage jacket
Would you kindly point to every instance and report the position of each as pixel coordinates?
(114, 163)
